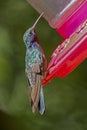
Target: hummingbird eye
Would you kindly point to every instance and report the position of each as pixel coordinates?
(30, 32)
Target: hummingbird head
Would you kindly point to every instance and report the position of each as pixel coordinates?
(29, 36)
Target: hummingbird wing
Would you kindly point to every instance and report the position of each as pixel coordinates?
(35, 76)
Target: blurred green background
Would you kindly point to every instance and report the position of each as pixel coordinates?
(66, 99)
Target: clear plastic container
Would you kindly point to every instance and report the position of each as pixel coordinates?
(55, 10)
(63, 15)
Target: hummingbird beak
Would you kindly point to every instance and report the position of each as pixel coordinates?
(32, 29)
(37, 20)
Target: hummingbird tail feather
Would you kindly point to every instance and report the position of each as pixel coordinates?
(41, 104)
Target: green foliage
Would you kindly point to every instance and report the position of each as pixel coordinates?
(66, 99)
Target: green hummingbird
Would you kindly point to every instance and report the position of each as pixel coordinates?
(36, 65)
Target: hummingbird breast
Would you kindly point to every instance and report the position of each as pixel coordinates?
(33, 54)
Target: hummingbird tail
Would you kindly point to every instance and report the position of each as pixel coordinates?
(41, 104)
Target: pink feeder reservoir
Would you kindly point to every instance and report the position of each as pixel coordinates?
(69, 18)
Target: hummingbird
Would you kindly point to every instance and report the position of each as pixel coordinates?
(36, 65)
